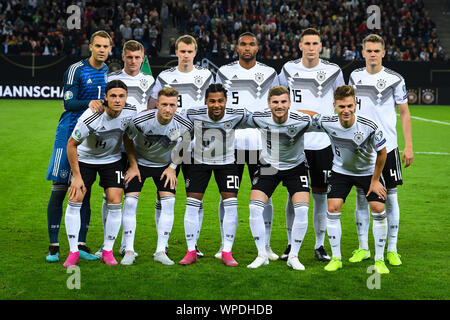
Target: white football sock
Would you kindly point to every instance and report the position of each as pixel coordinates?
(191, 221)
(221, 215)
(112, 225)
(200, 222)
(334, 233)
(72, 222)
(393, 218)
(157, 213)
(104, 212)
(320, 217)
(268, 220)
(290, 215)
(379, 229)
(230, 206)
(299, 227)
(129, 221)
(257, 225)
(362, 219)
(165, 222)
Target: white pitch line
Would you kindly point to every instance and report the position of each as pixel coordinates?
(436, 153)
(429, 120)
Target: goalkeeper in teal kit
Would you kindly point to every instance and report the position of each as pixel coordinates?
(84, 87)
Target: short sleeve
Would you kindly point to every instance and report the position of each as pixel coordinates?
(400, 93)
(379, 140)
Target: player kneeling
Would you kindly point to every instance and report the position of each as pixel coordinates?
(359, 157)
(95, 147)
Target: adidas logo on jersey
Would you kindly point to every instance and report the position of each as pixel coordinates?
(89, 81)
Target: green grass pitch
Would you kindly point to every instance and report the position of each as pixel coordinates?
(27, 131)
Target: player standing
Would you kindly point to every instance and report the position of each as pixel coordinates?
(213, 152)
(84, 87)
(139, 87)
(359, 147)
(155, 134)
(378, 90)
(248, 83)
(191, 83)
(282, 133)
(95, 147)
(311, 81)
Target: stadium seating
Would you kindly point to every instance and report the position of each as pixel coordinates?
(39, 26)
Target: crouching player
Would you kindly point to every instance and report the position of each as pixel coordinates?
(95, 146)
(359, 148)
(156, 133)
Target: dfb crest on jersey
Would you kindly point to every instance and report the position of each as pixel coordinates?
(358, 137)
(173, 134)
(259, 77)
(198, 80)
(321, 76)
(381, 84)
(228, 125)
(63, 174)
(292, 130)
(124, 123)
(143, 83)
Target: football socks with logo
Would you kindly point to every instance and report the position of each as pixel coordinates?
(379, 229)
(191, 221)
(165, 222)
(299, 227)
(393, 218)
(129, 221)
(229, 222)
(112, 225)
(320, 217)
(55, 210)
(257, 225)
(334, 233)
(72, 222)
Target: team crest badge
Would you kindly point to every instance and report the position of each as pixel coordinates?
(143, 83)
(198, 81)
(228, 125)
(259, 77)
(124, 123)
(63, 174)
(381, 84)
(68, 95)
(292, 130)
(321, 76)
(359, 137)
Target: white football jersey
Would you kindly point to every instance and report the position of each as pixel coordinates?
(312, 89)
(139, 87)
(191, 85)
(101, 135)
(214, 140)
(377, 94)
(153, 141)
(282, 144)
(355, 148)
(249, 88)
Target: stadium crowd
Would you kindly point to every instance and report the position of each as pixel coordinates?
(40, 26)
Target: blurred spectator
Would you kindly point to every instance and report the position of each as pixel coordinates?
(406, 27)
